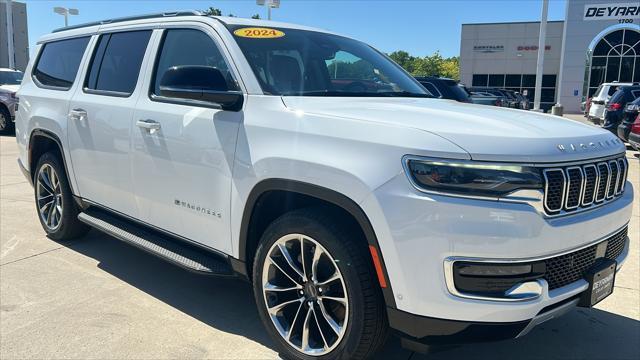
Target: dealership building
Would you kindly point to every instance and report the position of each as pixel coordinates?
(598, 42)
(14, 37)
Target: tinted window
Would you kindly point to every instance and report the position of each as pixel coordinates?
(480, 80)
(59, 62)
(10, 77)
(432, 88)
(458, 91)
(496, 80)
(190, 47)
(116, 61)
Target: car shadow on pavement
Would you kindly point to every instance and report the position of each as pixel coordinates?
(223, 303)
(228, 305)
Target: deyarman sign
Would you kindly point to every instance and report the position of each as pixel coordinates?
(624, 12)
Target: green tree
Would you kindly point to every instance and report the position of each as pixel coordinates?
(430, 65)
(404, 59)
(211, 11)
(256, 16)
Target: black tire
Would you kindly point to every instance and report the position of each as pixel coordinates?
(69, 226)
(367, 327)
(6, 125)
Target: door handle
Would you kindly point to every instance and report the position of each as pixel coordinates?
(78, 114)
(150, 125)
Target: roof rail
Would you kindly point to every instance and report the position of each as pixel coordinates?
(130, 18)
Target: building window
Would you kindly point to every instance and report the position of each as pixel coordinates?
(522, 83)
(616, 57)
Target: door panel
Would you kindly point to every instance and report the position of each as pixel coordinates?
(183, 153)
(182, 171)
(100, 121)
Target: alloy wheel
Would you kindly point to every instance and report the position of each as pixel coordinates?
(3, 121)
(305, 294)
(49, 197)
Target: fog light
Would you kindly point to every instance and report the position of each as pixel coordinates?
(493, 270)
(495, 280)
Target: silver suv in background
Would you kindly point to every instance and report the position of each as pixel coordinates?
(9, 84)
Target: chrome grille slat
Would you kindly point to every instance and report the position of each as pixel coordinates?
(555, 185)
(622, 163)
(591, 184)
(614, 171)
(575, 184)
(582, 186)
(603, 184)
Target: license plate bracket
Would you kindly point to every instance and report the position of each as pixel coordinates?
(601, 278)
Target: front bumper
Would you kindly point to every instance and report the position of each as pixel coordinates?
(417, 232)
(421, 330)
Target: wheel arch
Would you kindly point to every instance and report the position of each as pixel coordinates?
(40, 142)
(295, 190)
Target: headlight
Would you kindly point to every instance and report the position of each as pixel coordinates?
(472, 178)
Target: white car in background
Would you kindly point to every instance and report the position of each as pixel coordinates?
(600, 99)
(249, 148)
(9, 84)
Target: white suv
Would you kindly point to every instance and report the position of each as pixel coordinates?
(313, 166)
(600, 99)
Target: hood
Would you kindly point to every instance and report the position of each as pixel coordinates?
(487, 133)
(9, 88)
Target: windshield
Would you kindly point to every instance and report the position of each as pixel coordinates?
(309, 63)
(10, 77)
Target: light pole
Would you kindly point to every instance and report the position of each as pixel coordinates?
(65, 12)
(541, 46)
(270, 4)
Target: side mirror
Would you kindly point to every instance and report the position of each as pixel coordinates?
(200, 83)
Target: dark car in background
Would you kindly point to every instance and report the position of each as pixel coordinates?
(616, 106)
(629, 116)
(508, 100)
(444, 88)
(483, 98)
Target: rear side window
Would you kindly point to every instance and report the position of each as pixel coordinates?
(432, 89)
(189, 47)
(116, 62)
(59, 62)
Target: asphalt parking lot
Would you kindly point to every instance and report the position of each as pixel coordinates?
(97, 298)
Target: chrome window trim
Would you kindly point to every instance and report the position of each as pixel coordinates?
(546, 188)
(580, 191)
(450, 260)
(595, 185)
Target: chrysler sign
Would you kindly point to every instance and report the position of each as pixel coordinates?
(619, 11)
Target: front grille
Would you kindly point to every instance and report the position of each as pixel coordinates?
(583, 186)
(565, 269)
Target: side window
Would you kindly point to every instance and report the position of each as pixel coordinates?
(432, 89)
(116, 61)
(59, 62)
(189, 47)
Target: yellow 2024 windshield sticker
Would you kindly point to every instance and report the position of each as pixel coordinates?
(258, 33)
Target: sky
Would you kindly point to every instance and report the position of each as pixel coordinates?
(420, 27)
